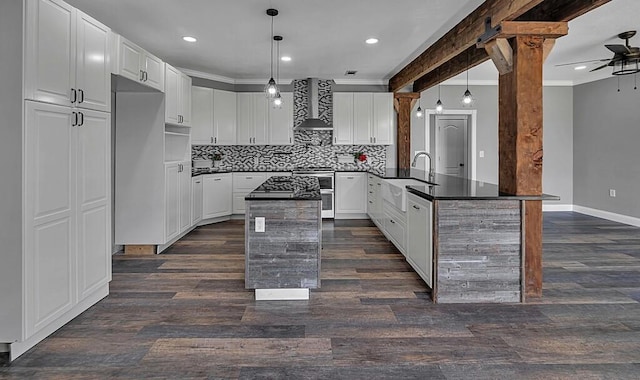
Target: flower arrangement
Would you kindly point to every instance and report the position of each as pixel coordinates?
(360, 156)
(216, 156)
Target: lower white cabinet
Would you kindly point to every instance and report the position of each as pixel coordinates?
(177, 198)
(395, 226)
(216, 195)
(419, 239)
(351, 190)
(374, 200)
(243, 184)
(196, 200)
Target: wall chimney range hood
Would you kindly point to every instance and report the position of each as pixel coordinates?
(313, 122)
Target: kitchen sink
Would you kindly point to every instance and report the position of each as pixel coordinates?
(394, 191)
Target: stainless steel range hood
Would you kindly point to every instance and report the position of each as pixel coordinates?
(313, 122)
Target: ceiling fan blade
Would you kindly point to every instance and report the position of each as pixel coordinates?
(576, 63)
(600, 67)
(618, 49)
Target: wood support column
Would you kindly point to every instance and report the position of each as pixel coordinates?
(520, 145)
(403, 103)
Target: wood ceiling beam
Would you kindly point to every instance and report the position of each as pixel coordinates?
(460, 38)
(435, 70)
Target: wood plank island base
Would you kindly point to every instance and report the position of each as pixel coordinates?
(283, 238)
(477, 250)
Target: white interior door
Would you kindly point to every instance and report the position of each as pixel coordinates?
(451, 146)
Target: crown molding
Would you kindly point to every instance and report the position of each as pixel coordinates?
(203, 75)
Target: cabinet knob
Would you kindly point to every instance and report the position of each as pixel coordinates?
(416, 207)
(392, 221)
(217, 179)
(349, 177)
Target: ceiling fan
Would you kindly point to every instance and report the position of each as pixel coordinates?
(625, 60)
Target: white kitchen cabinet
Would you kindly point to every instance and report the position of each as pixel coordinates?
(253, 113)
(281, 121)
(213, 116)
(177, 198)
(395, 225)
(243, 184)
(342, 118)
(351, 194)
(217, 195)
(196, 200)
(419, 237)
(374, 200)
(177, 97)
(138, 65)
(66, 56)
(363, 118)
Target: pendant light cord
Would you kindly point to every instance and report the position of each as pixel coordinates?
(271, 47)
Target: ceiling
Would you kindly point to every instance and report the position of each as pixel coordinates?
(326, 38)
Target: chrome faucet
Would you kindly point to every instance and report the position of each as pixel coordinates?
(423, 153)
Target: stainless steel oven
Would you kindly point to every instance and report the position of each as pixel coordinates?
(325, 176)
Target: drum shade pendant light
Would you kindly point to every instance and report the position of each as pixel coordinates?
(277, 100)
(271, 89)
(439, 106)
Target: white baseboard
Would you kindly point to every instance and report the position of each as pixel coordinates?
(556, 207)
(630, 220)
(351, 216)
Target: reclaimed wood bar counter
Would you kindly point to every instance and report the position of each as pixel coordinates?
(477, 250)
(283, 238)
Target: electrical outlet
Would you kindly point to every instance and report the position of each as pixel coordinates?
(612, 193)
(260, 224)
(481, 154)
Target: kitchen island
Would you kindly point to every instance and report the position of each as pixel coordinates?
(283, 238)
(474, 250)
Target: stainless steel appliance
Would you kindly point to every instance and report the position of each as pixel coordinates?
(325, 176)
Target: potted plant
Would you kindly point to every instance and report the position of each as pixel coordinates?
(216, 157)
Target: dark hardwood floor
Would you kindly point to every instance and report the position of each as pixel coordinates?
(185, 314)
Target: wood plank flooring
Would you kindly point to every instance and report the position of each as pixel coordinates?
(186, 315)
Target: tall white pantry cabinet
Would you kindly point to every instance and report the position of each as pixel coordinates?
(55, 213)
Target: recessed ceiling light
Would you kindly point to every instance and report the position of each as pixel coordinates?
(580, 67)
(189, 39)
(371, 40)
(285, 58)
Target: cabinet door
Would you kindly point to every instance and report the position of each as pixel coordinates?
(185, 99)
(154, 71)
(50, 51)
(419, 222)
(50, 213)
(224, 117)
(342, 118)
(172, 201)
(216, 195)
(383, 118)
(351, 193)
(130, 57)
(185, 195)
(201, 115)
(196, 200)
(281, 122)
(244, 132)
(93, 201)
(260, 118)
(171, 95)
(362, 118)
(93, 78)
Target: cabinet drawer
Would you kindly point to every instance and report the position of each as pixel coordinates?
(247, 182)
(396, 232)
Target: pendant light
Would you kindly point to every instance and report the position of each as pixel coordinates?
(467, 98)
(439, 106)
(277, 100)
(271, 89)
(419, 112)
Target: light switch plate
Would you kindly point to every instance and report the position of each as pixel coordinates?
(260, 224)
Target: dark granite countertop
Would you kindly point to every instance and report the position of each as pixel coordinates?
(197, 172)
(445, 187)
(287, 188)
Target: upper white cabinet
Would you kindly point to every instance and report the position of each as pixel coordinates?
(177, 97)
(135, 63)
(261, 124)
(213, 116)
(351, 190)
(363, 118)
(66, 57)
(281, 121)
